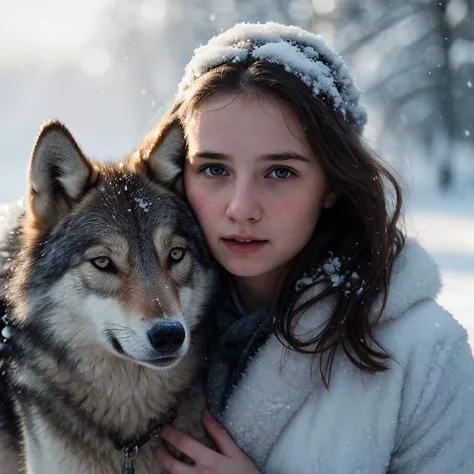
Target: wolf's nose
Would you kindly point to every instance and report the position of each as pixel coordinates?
(167, 336)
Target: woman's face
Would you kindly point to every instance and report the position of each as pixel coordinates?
(252, 180)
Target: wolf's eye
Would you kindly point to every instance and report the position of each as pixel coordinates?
(177, 254)
(104, 264)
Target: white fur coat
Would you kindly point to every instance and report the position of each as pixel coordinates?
(417, 418)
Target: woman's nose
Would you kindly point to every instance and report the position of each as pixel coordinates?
(244, 204)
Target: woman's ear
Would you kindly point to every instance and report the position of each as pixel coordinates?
(331, 197)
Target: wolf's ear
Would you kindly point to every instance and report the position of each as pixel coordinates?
(57, 178)
(165, 158)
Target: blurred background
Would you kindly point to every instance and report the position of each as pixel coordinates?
(109, 68)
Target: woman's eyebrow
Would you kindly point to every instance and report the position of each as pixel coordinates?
(286, 156)
(209, 155)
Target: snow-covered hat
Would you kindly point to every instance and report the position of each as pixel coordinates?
(298, 51)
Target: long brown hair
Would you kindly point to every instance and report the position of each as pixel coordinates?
(362, 227)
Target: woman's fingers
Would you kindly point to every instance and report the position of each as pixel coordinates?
(224, 443)
(171, 464)
(199, 453)
(229, 459)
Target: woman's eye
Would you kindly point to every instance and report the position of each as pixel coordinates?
(212, 171)
(177, 254)
(280, 173)
(104, 264)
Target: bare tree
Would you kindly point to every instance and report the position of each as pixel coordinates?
(417, 81)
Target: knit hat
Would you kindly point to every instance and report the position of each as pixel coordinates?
(298, 51)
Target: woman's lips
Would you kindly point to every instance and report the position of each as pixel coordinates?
(244, 247)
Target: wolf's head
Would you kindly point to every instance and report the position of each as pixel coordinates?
(113, 259)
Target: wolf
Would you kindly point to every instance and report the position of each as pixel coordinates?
(108, 287)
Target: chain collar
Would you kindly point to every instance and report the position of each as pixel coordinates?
(137, 442)
(130, 446)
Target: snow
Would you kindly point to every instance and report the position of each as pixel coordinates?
(143, 203)
(444, 225)
(301, 53)
(330, 269)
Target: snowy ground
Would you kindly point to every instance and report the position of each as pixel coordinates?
(445, 226)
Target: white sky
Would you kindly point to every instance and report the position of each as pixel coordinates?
(46, 30)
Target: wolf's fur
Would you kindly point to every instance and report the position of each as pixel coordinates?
(92, 275)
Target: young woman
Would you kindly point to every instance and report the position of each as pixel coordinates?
(330, 353)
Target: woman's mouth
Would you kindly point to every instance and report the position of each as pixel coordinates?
(239, 245)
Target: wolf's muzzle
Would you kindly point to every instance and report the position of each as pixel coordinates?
(167, 337)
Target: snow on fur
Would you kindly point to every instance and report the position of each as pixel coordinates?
(298, 51)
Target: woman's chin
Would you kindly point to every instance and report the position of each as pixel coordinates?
(252, 269)
(244, 269)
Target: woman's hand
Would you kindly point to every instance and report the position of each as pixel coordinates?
(229, 460)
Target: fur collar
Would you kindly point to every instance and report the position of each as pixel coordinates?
(278, 382)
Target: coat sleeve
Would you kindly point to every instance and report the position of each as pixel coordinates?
(436, 421)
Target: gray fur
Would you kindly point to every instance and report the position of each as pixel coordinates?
(70, 387)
